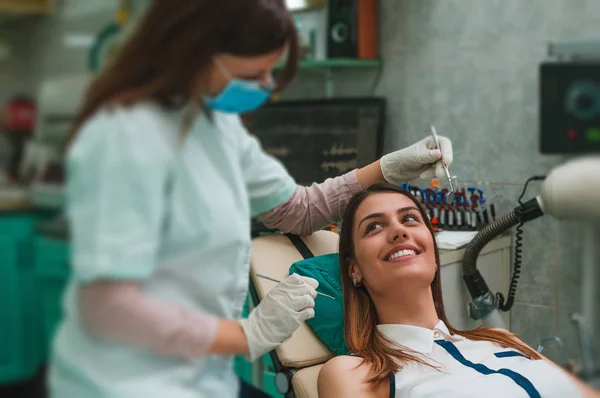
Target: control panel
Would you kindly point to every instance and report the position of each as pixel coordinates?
(569, 107)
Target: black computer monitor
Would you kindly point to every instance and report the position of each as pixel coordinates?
(318, 139)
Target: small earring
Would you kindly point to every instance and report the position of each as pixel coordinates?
(355, 282)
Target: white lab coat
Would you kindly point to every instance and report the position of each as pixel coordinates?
(199, 258)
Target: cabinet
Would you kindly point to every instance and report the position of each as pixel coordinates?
(494, 264)
(10, 312)
(20, 354)
(51, 275)
(21, 326)
(30, 303)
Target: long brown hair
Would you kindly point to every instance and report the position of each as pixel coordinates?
(177, 39)
(360, 316)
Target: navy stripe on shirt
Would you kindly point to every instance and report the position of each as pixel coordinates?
(507, 354)
(518, 378)
(392, 385)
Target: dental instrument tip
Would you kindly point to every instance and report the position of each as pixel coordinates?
(277, 281)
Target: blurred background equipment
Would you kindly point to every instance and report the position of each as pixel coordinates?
(42, 166)
(18, 122)
(569, 124)
(570, 99)
(353, 29)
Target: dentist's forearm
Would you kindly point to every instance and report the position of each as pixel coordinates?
(370, 174)
(230, 339)
(314, 207)
(123, 313)
(321, 204)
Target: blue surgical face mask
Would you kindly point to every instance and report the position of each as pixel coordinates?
(238, 96)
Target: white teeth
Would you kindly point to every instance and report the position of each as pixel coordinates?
(401, 253)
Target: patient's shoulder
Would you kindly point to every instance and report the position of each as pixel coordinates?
(343, 365)
(342, 376)
(346, 376)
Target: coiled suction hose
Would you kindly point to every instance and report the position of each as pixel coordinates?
(471, 275)
(506, 304)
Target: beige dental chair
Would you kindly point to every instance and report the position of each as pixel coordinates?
(298, 360)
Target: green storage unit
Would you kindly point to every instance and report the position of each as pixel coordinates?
(30, 299)
(11, 332)
(243, 369)
(52, 274)
(20, 347)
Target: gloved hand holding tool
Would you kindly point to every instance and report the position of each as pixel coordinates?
(279, 314)
(421, 160)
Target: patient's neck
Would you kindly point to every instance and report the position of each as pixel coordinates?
(407, 307)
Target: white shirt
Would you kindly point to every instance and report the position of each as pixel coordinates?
(118, 168)
(471, 369)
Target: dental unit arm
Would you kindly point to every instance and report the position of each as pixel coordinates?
(570, 191)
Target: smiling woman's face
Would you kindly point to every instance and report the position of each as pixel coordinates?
(393, 246)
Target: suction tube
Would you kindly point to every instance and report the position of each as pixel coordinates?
(484, 301)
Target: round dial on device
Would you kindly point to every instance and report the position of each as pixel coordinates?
(583, 100)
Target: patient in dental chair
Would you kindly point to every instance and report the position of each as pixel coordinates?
(401, 341)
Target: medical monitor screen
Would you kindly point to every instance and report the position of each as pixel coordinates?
(319, 139)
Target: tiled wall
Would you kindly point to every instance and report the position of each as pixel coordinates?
(471, 67)
(468, 66)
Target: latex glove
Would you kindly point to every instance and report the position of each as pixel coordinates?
(279, 314)
(420, 160)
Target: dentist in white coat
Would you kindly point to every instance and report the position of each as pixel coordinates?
(160, 199)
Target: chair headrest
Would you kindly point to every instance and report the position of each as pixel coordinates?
(273, 255)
